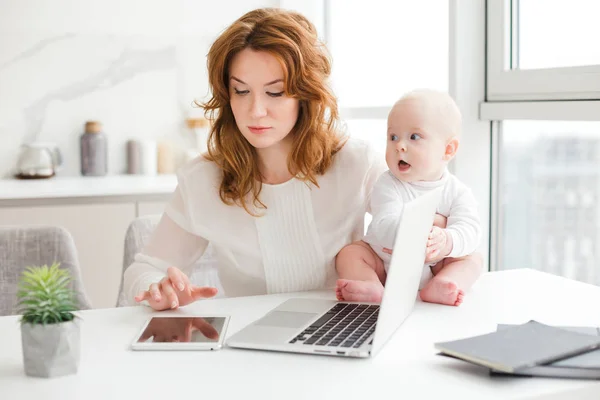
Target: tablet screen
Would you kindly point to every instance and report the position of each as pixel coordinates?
(183, 330)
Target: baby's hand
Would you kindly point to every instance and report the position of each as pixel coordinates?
(436, 245)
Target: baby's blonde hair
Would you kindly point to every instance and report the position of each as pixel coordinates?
(439, 102)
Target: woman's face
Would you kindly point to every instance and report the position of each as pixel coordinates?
(262, 111)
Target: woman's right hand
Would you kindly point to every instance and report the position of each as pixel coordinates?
(174, 290)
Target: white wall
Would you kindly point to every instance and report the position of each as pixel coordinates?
(134, 65)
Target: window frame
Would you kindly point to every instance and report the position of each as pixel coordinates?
(506, 84)
(553, 94)
(583, 110)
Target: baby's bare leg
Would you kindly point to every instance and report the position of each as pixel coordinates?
(451, 280)
(361, 273)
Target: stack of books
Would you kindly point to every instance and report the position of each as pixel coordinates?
(532, 349)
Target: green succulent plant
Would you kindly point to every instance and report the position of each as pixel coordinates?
(44, 295)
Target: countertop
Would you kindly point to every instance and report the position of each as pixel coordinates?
(85, 187)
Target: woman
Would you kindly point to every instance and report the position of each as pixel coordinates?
(280, 191)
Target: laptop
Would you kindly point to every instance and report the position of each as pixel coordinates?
(351, 329)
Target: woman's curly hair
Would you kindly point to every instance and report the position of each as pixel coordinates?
(293, 41)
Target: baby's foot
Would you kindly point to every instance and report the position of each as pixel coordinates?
(367, 291)
(439, 290)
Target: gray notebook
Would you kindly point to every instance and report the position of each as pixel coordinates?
(583, 366)
(518, 347)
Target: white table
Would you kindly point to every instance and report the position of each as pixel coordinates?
(407, 367)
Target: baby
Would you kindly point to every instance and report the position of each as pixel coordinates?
(423, 136)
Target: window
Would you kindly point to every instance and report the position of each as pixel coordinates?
(384, 48)
(549, 33)
(543, 97)
(379, 52)
(371, 130)
(549, 207)
(543, 50)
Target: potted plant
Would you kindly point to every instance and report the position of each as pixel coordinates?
(49, 331)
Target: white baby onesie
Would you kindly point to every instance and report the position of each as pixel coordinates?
(457, 204)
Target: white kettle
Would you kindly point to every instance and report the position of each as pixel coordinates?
(38, 161)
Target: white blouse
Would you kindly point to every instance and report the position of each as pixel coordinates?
(290, 247)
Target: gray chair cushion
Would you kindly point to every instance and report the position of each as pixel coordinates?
(139, 231)
(25, 246)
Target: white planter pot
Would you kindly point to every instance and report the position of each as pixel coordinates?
(50, 350)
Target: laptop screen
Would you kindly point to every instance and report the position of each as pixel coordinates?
(406, 266)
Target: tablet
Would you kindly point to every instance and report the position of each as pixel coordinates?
(182, 333)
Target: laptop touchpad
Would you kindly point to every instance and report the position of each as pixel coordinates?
(286, 319)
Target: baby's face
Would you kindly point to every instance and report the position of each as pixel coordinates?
(416, 142)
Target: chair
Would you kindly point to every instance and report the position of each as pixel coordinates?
(137, 235)
(25, 246)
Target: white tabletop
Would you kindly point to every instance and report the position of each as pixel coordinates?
(86, 186)
(407, 367)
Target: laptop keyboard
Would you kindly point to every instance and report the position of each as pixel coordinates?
(344, 325)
